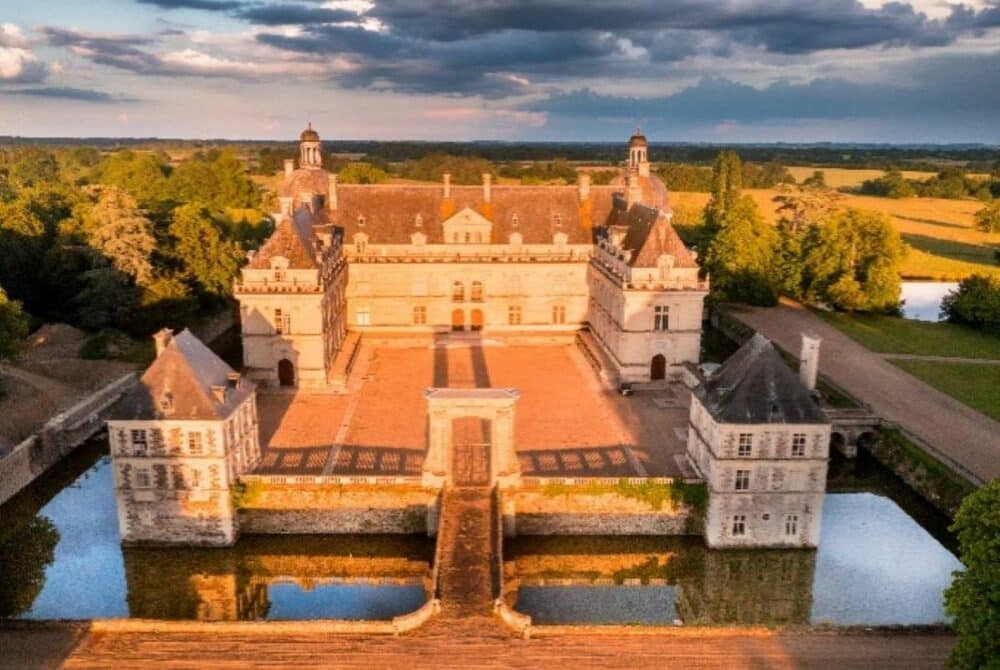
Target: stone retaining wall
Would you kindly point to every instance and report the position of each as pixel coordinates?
(319, 509)
(58, 437)
(584, 512)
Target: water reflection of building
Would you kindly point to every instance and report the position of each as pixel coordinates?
(232, 584)
(761, 586)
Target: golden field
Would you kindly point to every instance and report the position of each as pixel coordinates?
(839, 177)
(944, 242)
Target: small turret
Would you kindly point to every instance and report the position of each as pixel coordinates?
(310, 155)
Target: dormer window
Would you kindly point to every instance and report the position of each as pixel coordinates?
(167, 402)
(514, 221)
(361, 221)
(418, 221)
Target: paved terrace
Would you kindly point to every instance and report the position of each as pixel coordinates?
(566, 423)
(960, 433)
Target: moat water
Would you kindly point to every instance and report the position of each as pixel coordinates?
(877, 564)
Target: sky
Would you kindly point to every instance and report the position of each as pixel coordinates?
(907, 71)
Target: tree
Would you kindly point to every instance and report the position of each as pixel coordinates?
(727, 182)
(975, 302)
(26, 550)
(142, 175)
(209, 259)
(740, 257)
(684, 177)
(13, 326)
(463, 169)
(852, 262)
(362, 173)
(218, 179)
(119, 230)
(30, 166)
(817, 178)
(889, 185)
(973, 598)
(988, 218)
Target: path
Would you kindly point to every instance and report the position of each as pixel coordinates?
(61, 394)
(454, 647)
(958, 432)
(942, 359)
(466, 575)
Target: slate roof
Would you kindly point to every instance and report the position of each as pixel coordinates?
(305, 180)
(187, 370)
(755, 386)
(294, 239)
(649, 235)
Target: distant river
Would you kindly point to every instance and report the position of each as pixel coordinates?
(922, 299)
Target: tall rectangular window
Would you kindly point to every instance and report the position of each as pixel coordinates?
(458, 292)
(792, 524)
(363, 317)
(661, 317)
(742, 480)
(419, 315)
(194, 444)
(476, 293)
(745, 447)
(139, 444)
(558, 314)
(799, 444)
(142, 480)
(514, 315)
(282, 322)
(739, 525)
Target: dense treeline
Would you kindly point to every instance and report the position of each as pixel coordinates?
(975, 302)
(687, 177)
(847, 259)
(950, 183)
(929, 158)
(124, 241)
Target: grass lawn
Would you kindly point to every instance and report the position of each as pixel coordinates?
(894, 335)
(976, 385)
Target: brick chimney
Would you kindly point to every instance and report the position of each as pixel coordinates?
(162, 339)
(289, 167)
(487, 187)
(583, 185)
(331, 199)
(809, 360)
(447, 185)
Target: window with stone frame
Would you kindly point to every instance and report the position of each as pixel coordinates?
(195, 478)
(799, 444)
(139, 443)
(476, 291)
(458, 292)
(739, 525)
(742, 480)
(745, 445)
(661, 317)
(419, 315)
(791, 524)
(363, 316)
(142, 479)
(558, 314)
(282, 322)
(195, 447)
(514, 315)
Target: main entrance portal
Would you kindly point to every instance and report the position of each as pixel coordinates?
(470, 437)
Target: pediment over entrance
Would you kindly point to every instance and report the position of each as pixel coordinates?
(467, 226)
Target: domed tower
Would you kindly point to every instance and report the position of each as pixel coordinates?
(310, 155)
(638, 160)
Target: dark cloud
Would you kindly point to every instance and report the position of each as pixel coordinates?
(289, 14)
(68, 93)
(207, 5)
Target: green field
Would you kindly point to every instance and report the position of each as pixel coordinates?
(974, 384)
(895, 335)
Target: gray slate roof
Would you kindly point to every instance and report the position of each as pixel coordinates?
(755, 386)
(187, 370)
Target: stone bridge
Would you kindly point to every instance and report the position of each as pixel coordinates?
(852, 428)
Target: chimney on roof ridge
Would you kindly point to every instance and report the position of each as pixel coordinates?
(331, 199)
(289, 167)
(487, 187)
(583, 185)
(809, 360)
(162, 338)
(633, 192)
(447, 185)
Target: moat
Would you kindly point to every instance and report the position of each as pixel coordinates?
(60, 558)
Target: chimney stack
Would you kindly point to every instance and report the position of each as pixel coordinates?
(162, 339)
(583, 185)
(633, 192)
(487, 187)
(331, 199)
(289, 167)
(809, 360)
(447, 185)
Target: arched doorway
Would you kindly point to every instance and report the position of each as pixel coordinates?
(476, 320)
(458, 319)
(286, 372)
(658, 367)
